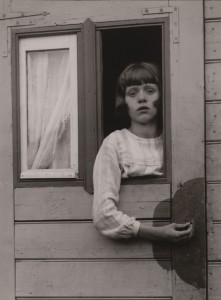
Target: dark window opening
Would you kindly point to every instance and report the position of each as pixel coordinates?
(121, 47)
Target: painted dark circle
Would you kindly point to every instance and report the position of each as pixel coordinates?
(189, 260)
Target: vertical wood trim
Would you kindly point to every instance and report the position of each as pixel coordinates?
(188, 150)
(7, 263)
(81, 106)
(167, 97)
(90, 102)
(15, 108)
(99, 87)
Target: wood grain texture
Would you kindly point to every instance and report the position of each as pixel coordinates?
(214, 242)
(214, 201)
(187, 117)
(213, 81)
(94, 298)
(213, 40)
(84, 9)
(214, 275)
(213, 121)
(78, 241)
(213, 159)
(7, 283)
(71, 203)
(90, 98)
(128, 278)
(190, 259)
(212, 9)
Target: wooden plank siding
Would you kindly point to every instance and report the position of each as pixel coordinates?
(54, 234)
(213, 145)
(214, 290)
(45, 278)
(59, 203)
(53, 239)
(77, 240)
(213, 80)
(95, 298)
(213, 126)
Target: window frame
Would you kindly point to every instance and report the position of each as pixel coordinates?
(166, 89)
(90, 113)
(18, 34)
(48, 43)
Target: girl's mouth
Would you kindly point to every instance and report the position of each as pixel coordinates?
(143, 108)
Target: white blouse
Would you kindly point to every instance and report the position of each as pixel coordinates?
(122, 155)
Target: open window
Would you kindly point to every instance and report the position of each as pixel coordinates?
(121, 47)
(118, 45)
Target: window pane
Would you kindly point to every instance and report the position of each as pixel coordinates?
(48, 110)
(48, 107)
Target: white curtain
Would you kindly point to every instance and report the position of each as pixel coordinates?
(48, 110)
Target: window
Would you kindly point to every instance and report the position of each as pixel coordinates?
(65, 78)
(120, 44)
(48, 107)
(121, 47)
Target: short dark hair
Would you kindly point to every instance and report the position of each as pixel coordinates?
(134, 74)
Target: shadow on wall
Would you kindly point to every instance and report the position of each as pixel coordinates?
(189, 260)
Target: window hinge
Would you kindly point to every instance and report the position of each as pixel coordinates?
(173, 11)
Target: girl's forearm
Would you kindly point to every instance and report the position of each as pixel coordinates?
(148, 232)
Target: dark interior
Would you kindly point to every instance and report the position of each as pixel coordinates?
(121, 47)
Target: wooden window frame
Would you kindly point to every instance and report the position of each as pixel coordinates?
(18, 34)
(58, 42)
(164, 23)
(90, 98)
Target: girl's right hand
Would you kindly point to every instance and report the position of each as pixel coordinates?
(175, 232)
(169, 233)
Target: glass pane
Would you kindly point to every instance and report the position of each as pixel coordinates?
(48, 109)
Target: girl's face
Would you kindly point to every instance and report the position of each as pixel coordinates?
(142, 102)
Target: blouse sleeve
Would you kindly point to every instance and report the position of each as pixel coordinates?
(107, 179)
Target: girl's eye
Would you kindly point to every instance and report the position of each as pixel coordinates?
(150, 91)
(131, 93)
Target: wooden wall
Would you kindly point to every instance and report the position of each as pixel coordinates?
(47, 224)
(58, 252)
(213, 143)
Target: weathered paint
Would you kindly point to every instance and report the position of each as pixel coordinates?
(55, 204)
(213, 148)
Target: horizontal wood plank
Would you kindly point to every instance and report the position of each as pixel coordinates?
(128, 278)
(214, 286)
(214, 201)
(213, 81)
(212, 9)
(93, 298)
(83, 9)
(213, 159)
(74, 203)
(213, 124)
(79, 241)
(213, 40)
(214, 242)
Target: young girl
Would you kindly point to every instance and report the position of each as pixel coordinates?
(136, 151)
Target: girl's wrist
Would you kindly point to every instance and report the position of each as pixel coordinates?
(149, 232)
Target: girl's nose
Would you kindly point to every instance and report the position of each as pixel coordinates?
(142, 97)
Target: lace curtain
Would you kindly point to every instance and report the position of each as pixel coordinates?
(48, 109)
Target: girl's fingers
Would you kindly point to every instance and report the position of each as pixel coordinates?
(180, 227)
(186, 234)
